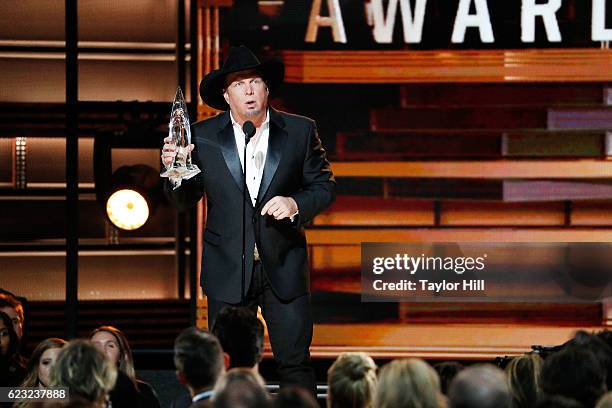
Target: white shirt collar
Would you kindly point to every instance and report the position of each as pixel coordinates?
(202, 395)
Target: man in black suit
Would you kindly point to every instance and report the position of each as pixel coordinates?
(289, 181)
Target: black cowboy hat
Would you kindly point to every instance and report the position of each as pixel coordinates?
(238, 59)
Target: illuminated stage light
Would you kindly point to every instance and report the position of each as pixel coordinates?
(127, 209)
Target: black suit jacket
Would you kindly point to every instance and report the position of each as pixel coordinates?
(296, 166)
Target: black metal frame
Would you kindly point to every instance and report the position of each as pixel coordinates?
(72, 170)
(193, 106)
(72, 134)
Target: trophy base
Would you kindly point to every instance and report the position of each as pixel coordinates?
(182, 172)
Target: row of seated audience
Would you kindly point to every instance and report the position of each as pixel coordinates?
(220, 369)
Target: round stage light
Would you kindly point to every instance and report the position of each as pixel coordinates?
(127, 209)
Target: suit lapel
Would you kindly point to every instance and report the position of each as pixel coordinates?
(276, 144)
(229, 149)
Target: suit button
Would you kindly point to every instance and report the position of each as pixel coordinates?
(254, 220)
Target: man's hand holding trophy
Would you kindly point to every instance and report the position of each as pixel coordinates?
(176, 152)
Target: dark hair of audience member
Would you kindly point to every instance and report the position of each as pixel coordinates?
(128, 390)
(199, 357)
(9, 300)
(294, 397)
(12, 365)
(599, 347)
(557, 401)
(523, 375)
(240, 388)
(409, 383)
(241, 334)
(447, 372)
(479, 386)
(575, 373)
(85, 371)
(351, 381)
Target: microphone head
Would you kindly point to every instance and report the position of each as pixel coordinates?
(249, 129)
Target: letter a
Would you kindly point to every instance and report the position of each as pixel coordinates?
(334, 20)
(481, 20)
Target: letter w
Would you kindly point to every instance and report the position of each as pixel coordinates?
(411, 22)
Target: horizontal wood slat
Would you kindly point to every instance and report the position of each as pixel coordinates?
(536, 94)
(377, 211)
(533, 65)
(492, 169)
(397, 119)
(356, 236)
(580, 118)
(595, 214)
(476, 341)
(501, 214)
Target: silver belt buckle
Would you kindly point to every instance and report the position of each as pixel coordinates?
(256, 253)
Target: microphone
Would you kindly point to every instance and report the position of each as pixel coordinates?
(249, 130)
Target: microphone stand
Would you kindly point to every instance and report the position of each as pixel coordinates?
(249, 130)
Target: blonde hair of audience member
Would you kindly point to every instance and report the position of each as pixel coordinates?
(240, 387)
(352, 381)
(85, 371)
(39, 367)
(408, 383)
(43, 358)
(605, 401)
(113, 343)
(523, 376)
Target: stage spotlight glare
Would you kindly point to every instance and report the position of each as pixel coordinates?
(127, 209)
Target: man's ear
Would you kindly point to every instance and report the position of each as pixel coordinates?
(226, 97)
(226, 361)
(180, 376)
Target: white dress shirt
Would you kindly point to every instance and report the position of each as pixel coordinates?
(257, 149)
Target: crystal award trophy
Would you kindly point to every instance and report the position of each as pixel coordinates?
(179, 129)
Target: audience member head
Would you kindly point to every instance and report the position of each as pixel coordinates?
(557, 401)
(408, 383)
(43, 358)
(240, 388)
(599, 347)
(113, 343)
(241, 335)
(198, 359)
(447, 372)
(479, 386)
(85, 371)
(8, 336)
(523, 375)
(12, 365)
(606, 336)
(10, 305)
(575, 373)
(295, 397)
(352, 381)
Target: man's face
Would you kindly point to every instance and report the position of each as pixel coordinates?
(17, 323)
(247, 95)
